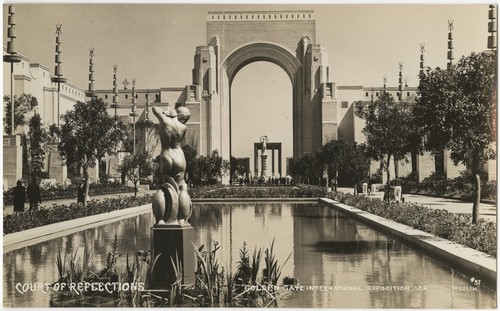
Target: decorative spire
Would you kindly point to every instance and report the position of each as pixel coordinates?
(133, 114)
(450, 44)
(146, 113)
(11, 34)
(400, 93)
(11, 57)
(58, 78)
(58, 68)
(422, 50)
(492, 28)
(133, 98)
(90, 92)
(115, 90)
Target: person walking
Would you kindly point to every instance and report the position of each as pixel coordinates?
(34, 196)
(19, 197)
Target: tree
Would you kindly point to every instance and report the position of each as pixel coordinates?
(209, 169)
(86, 134)
(456, 111)
(136, 167)
(22, 105)
(307, 168)
(331, 155)
(36, 138)
(190, 154)
(390, 130)
(354, 164)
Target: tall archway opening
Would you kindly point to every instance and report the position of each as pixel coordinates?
(262, 106)
(284, 38)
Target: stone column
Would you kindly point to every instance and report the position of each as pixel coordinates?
(272, 159)
(264, 165)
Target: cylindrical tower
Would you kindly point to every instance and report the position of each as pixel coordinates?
(91, 91)
(115, 91)
(422, 50)
(133, 114)
(11, 57)
(400, 87)
(450, 44)
(58, 74)
(492, 28)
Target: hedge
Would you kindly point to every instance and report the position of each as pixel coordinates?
(458, 228)
(57, 213)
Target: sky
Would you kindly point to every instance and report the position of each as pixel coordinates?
(155, 43)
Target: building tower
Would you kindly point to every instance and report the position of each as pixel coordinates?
(115, 90)
(450, 44)
(91, 91)
(385, 84)
(58, 78)
(492, 28)
(146, 111)
(11, 57)
(400, 88)
(422, 50)
(133, 114)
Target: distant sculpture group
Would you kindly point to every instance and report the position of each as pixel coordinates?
(171, 203)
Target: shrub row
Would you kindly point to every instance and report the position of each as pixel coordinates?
(59, 192)
(454, 227)
(301, 191)
(57, 213)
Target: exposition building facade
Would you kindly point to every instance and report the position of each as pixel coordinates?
(321, 110)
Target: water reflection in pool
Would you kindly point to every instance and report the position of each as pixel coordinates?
(327, 249)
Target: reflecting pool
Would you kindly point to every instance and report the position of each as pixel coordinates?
(339, 262)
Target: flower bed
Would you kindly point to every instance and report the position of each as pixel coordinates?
(454, 227)
(46, 216)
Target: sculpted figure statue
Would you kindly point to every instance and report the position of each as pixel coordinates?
(171, 203)
(263, 140)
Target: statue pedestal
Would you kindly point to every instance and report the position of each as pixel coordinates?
(169, 240)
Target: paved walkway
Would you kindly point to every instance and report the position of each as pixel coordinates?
(486, 211)
(9, 209)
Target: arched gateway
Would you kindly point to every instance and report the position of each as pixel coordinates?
(285, 38)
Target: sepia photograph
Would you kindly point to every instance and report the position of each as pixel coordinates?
(250, 155)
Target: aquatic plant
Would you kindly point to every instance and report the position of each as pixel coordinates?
(272, 270)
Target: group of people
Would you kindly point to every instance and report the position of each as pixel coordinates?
(246, 180)
(32, 193)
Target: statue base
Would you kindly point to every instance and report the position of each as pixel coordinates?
(171, 242)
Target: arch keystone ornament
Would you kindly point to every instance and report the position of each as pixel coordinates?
(285, 38)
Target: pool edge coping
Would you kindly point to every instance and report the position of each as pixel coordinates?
(456, 254)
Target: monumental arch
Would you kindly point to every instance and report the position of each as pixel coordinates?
(285, 38)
